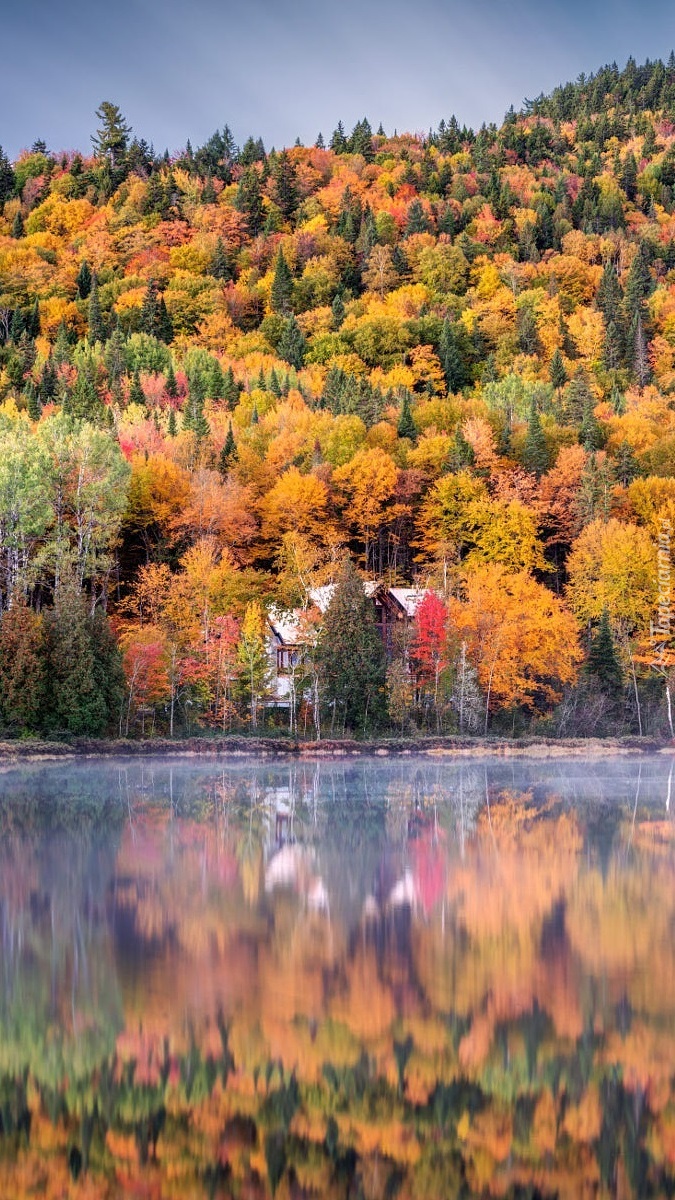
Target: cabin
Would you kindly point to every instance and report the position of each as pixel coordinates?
(393, 609)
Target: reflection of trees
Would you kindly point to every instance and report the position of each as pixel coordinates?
(498, 1017)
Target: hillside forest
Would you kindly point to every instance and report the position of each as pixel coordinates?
(233, 375)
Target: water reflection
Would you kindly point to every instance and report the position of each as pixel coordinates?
(368, 979)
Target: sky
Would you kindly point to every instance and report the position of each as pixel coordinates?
(291, 68)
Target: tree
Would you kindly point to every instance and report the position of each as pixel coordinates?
(603, 663)
(84, 279)
(557, 372)
(253, 656)
(406, 427)
(352, 662)
(23, 680)
(111, 139)
(96, 326)
(292, 345)
(228, 454)
(451, 359)
(521, 639)
(535, 451)
(282, 286)
(76, 702)
(429, 648)
(613, 567)
(367, 483)
(194, 418)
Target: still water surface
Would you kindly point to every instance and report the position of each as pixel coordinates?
(368, 980)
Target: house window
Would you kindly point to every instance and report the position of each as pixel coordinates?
(286, 658)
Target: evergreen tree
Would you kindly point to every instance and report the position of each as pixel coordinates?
(352, 664)
(220, 266)
(451, 358)
(48, 382)
(96, 328)
(338, 141)
(250, 202)
(111, 140)
(84, 401)
(625, 464)
(150, 310)
(417, 219)
(17, 226)
(164, 322)
(61, 353)
(275, 386)
(33, 406)
(292, 345)
(285, 179)
(577, 397)
(591, 435)
(171, 427)
(231, 390)
(603, 662)
(535, 451)
(76, 701)
(194, 418)
(23, 680)
(171, 387)
(638, 284)
(282, 286)
(228, 454)
(84, 279)
(557, 372)
(406, 427)
(7, 178)
(136, 393)
(338, 311)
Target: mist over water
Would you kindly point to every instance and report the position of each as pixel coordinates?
(303, 975)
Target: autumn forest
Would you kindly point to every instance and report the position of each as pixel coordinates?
(232, 377)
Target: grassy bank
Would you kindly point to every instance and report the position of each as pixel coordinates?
(246, 747)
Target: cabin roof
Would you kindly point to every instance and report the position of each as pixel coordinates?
(409, 599)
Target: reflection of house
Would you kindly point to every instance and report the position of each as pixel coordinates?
(393, 608)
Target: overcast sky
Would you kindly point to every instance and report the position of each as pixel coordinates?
(289, 69)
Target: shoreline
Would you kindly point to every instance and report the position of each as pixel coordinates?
(337, 748)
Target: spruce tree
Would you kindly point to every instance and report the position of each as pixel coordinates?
(228, 454)
(338, 311)
(17, 226)
(170, 386)
(282, 286)
(231, 390)
(275, 386)
(149, 310)
(194, 418)
(591, 435)
(292, 345)
(352, 665)
(136, 393)
(451, 358)
(557, 372)
(171, 427)
(33, 406)
(23, 678)
(75, 702)
(220, 267)
(406, 427)
(603, 662)
(535, 451)
(83, 281)
(96, 328)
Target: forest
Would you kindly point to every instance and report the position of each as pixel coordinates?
(235, 375)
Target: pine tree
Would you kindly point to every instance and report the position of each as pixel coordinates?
(577, 396)
(229, 453)
(164, 322)
(338, 141)
(7, 178)
(61, 353)
(170, 386)
(603, 662)
(17, 226)
(352, 664)
(292, 345)
(417, 221)
(171, 424)
(535, 451)
(282, 286)
(275, 386)
(111, 140)
(406, 427)
(285, 179)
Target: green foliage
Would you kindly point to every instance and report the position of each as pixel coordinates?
(351, 655)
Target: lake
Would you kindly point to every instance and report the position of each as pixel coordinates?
(363, 978)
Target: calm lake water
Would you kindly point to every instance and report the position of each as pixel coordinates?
(372, 979)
